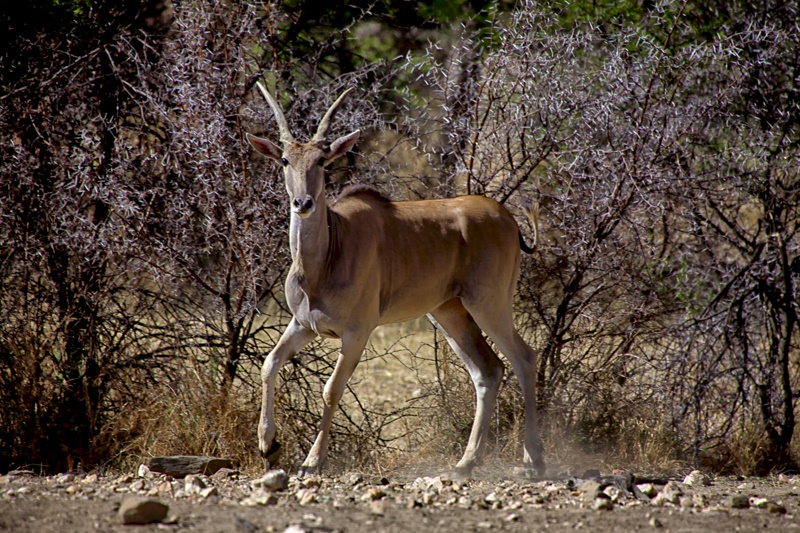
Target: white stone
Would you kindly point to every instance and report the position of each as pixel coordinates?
(192, 484)
(144, 471)
(696, 478)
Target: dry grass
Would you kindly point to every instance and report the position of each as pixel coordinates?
(410, 402)
(191, 416)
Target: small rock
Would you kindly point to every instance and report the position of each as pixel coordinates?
(776, 508)
(655, 522)
(312, 519)
(144, 471)
(208, 492)
(72, 489)
(671, 493)
(295, 528)
(142, 511)
(306, 497)
(165, 487)
(224, 474)
(428, 483)
(374, 493)
(740, 501)
(760, 503)
(464, 502)
(193, 484)
(274, 480)
(312, 482)
(63, 479)
(513, 517)
(484, 525)
(699, 500)
(428, 497)
(613, 492)
(377, 507)
(91, 478)
(696, 478)
(648, 489)
(242, 525)
(602, 502)
(356, 478)
(260, 497)
(589, 490)
(136, 486)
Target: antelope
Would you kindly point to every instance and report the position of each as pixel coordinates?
(365, 260)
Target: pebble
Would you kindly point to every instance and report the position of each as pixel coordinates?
(193, 484)
(740, 501)
(142, 511)
(776, 508)
(696, 478)
(144, 471)
(306, 497)
(760, 503)
(373, 493)
(260, 497)
(274, 480)
(671, 493)
(208, 492)
(648, 489)
(603, 503)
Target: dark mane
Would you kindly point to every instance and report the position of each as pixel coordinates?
(363, 190)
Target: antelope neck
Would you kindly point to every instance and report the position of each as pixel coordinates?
(309, 239)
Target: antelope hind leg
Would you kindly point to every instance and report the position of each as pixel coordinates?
(485, 369)
(500, 327)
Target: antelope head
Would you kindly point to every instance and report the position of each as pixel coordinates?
(303, 163)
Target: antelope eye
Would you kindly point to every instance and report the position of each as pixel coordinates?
(322, 161)
(284, 161)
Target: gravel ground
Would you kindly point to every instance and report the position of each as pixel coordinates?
(353, 502)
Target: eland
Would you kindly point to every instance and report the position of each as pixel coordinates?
(363, 261)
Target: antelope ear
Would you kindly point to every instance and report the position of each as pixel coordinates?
(265, 147)
(342, 145)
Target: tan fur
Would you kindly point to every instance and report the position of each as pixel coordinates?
(365, 261)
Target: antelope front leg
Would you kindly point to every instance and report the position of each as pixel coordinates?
(294, 339)
(352, 348)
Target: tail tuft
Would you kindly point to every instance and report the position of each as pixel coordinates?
(531, 210)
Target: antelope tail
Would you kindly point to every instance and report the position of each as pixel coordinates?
(531, 210)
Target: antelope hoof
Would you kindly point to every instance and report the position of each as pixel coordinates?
(462, 472)
(271, 456)
(307, 471)
(535, 469)
(538, 464)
